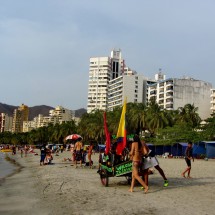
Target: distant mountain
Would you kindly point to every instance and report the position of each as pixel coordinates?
(36, 110)
(4, 108)
(33, 111)
(40, 109)
(80, 112)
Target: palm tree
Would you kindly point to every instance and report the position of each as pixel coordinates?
(136, 117)
(156, 118)
(188, 114)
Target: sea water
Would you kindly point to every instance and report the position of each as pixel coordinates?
(6, 168)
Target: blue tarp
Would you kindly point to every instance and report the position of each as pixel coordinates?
(210, 149)
(199, 149)
(178, 149)
(206, 148)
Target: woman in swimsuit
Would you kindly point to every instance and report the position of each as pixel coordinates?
(90, 151)
(136, 155)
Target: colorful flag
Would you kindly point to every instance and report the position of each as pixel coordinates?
(121, 133)
(107, 135)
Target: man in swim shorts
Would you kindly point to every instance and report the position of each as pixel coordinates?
(78, 152)
(188, 158)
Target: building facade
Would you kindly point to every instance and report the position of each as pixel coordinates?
(125, 86)
(102, 70)
(19, 116)
(5, 122)
(58, 115)
(173, 93)
(212, 101)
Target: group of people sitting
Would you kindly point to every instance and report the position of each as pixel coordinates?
(45, 155)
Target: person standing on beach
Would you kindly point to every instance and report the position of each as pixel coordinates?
(151, 161)
(188, 158)
(136, 156)
(89, 154)
(78, 152)
(26, 150)
(42, 154)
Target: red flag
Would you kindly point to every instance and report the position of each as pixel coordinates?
(107, 135)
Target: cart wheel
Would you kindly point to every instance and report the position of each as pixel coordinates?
(104, 177)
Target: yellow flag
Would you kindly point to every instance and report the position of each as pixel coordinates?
(122, 128)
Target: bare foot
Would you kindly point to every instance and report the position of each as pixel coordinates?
(189, 176)
(130, 190)
(146, 190)
(183, 175)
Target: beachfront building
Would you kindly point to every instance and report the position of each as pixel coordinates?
(58, 115)
(28, 126)
(5, 122)
(19, 116)
(212, 101)
(101, 71)
(173, 93)
(130, 86)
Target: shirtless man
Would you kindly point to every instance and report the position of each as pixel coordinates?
(188, 158)
(136, 156)
(78, 152)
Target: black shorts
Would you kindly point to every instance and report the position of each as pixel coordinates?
(188, 162)
(78, 156)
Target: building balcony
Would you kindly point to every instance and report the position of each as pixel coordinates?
(169, 95)
(169, 89)
(212, 95)
(212, 102)
(169, 101)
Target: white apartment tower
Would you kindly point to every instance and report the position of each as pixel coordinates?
(102, 70)
(129, 85)
(173, 93)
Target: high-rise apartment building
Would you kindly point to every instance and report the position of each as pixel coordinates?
(212, 101)
(102, 70)
(5, 122)
(173, 93)
(126, 86)
(19, 116)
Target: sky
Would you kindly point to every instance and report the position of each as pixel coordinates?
(45, 45)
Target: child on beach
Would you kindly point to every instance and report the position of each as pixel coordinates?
(188, 158)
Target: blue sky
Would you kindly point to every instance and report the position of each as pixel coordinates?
(45, 45)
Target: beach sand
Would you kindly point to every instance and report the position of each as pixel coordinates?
(62, 189)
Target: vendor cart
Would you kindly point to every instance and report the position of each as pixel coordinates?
(122, 169)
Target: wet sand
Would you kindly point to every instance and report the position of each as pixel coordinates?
(62, 189)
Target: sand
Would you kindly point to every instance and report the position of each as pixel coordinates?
(62, 189)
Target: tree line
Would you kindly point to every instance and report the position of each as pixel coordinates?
(156, 125)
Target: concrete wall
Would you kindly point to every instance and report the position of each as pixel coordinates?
(193, 92)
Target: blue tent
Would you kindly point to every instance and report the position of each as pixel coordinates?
(178, 149)
(210, 149)
(199, 149)
(206, 148)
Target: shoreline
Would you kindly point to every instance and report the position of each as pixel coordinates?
(17, 167)
(62, 189)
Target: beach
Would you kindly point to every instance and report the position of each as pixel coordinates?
(62, 189)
